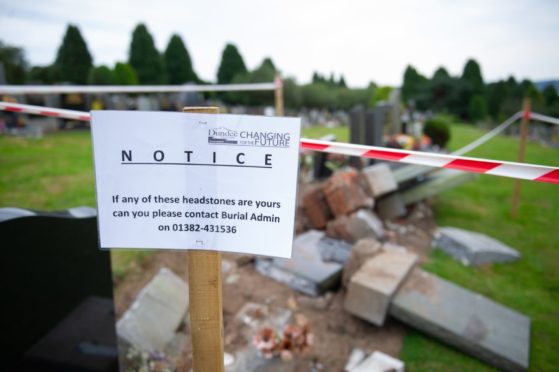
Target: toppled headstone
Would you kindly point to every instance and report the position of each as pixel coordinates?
(470, 322)
(316, 207)
(472, 248)
(436, 183)
(390, 207)
(152, 319)
(305, 271)
(373, 286)
(360, 252)
(359, 225)
(346, 191)
(379, 362)
(380, 179)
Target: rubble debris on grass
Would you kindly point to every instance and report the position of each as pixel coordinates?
(380, 179)
(472, 248)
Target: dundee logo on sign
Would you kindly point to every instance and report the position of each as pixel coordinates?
(226, 136)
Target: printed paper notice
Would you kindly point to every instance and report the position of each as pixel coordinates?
(170, 180)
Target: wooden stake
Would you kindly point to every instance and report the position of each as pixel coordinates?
(526, 109)
(279, 96)
(206, 309)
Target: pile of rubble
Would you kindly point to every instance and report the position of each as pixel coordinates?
(355, 260)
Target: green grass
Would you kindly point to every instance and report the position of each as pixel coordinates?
(56, 172)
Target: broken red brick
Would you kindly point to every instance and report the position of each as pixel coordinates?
(346, 191)
(316, 207)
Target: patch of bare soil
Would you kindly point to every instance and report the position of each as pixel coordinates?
(335, 331)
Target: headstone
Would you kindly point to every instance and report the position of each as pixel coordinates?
(58, 314)
(305, 271)
(380, 179)
(374, 126)
(390, 207)
(379, 362)
(320, 170)
(437, 182)
(372, 287)
(466, 320)
(360, 252)
(357, 125)
(472, 248)
(151, 321)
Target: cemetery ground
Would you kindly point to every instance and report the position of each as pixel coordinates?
(56, 173)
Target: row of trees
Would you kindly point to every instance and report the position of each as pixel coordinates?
(466, 96)
(470, 98)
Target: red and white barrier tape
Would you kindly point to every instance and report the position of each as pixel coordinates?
(59, 89)
(45, 111)
(531, 172)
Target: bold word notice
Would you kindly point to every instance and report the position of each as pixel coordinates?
(196, 181)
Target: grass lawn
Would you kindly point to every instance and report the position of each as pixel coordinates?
(56, 172)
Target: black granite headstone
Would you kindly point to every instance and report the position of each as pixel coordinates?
(57, 298)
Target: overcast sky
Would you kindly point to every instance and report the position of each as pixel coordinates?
(364, 40)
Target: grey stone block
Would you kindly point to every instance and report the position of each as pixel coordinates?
(334, 250)
(360, 252)
(390, 207)
(365, 223)
(380, 179)
(470, 322)
(437, 182)
(305, 271)
(372, 287)
(472, 248)
(152, 319)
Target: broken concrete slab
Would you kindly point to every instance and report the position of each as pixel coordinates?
(470, 322)
(152, 319)
(390, 207)
(355, 358)
(379, 362)
(360, 252)
(372, 287)
(380, 179)
(305, 271)
(316, 207)
(359, 225)
(346, 191)
(334, 250)
(472, 248)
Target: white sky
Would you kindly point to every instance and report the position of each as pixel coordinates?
(364, 40)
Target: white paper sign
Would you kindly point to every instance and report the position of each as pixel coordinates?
(196, 181)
